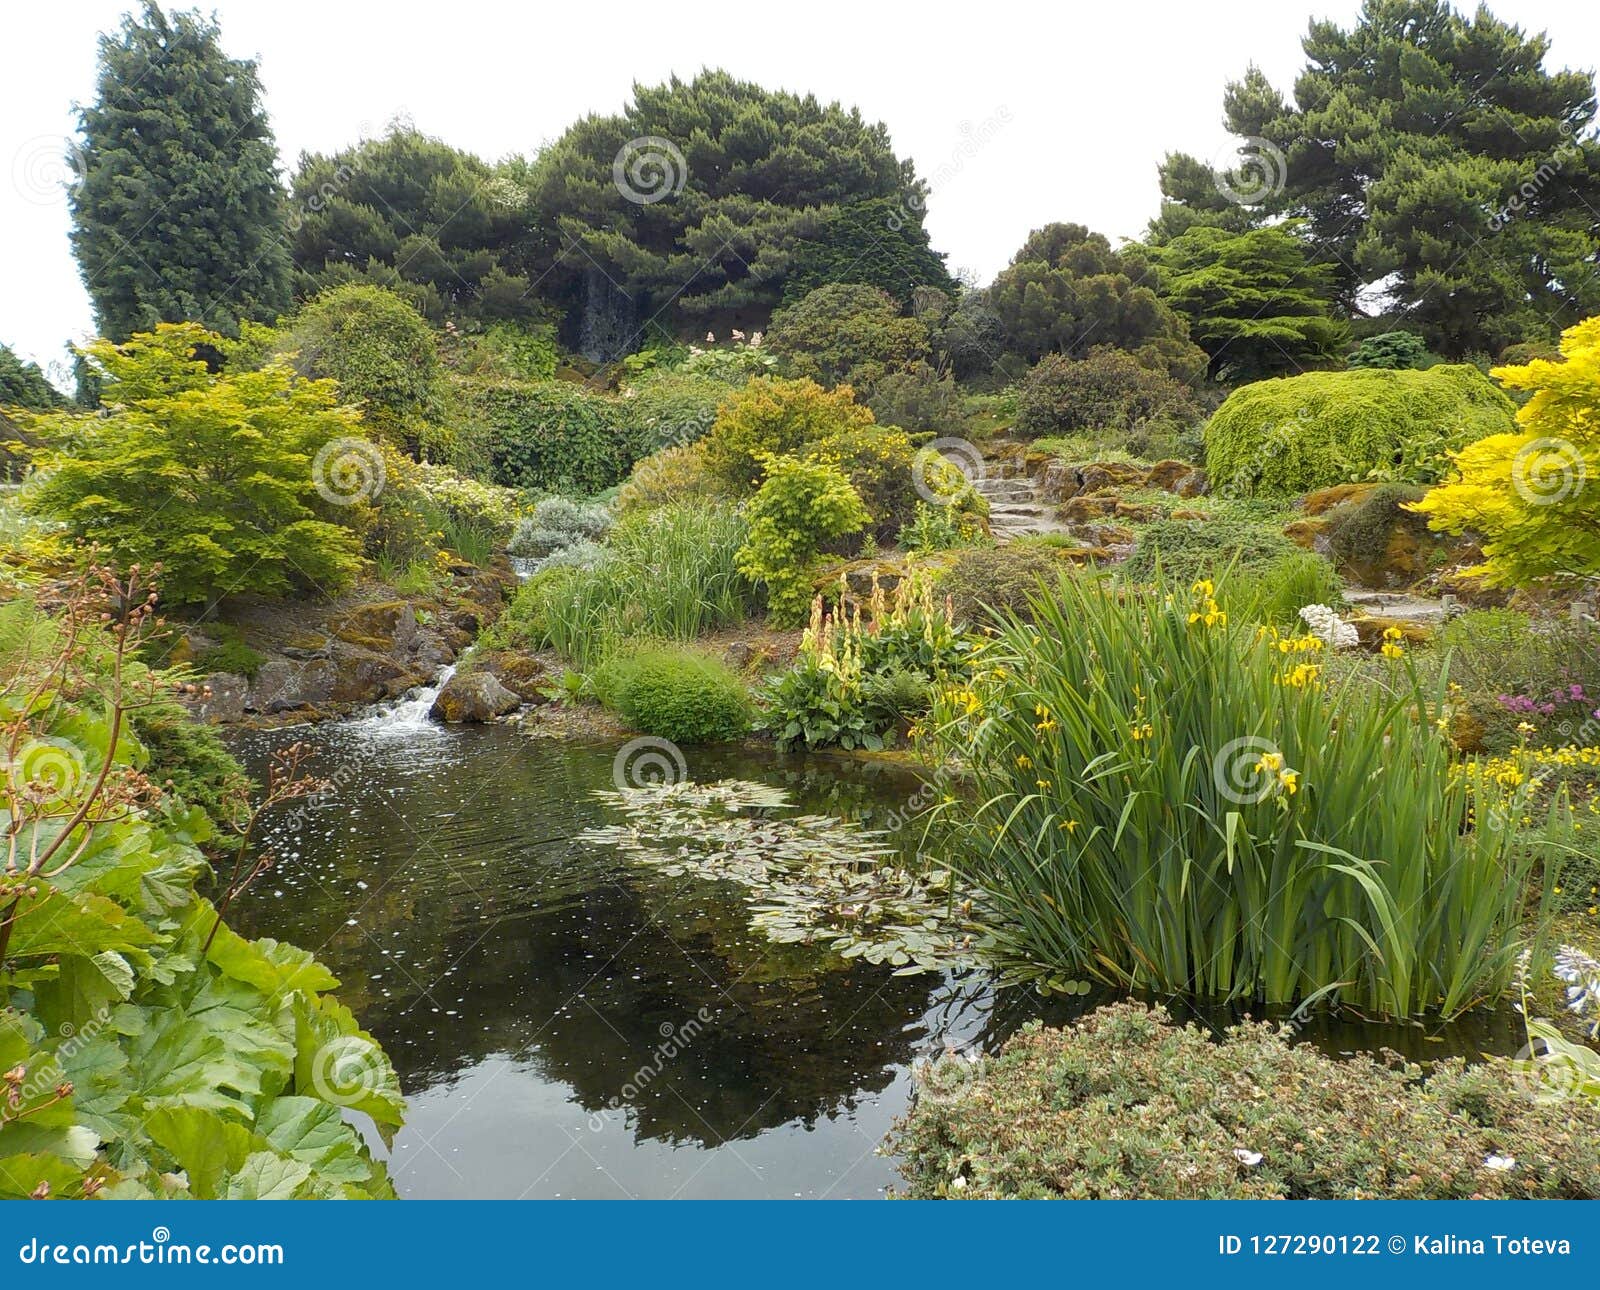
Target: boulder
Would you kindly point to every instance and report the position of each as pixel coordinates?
(1058, 482)
(1166, 474)
(520, 672)
(1194, 484)
(1109, 474)
(366, 676)
(1135, 512)
(476, 696)
(218, 699)
(282, 685)
(387, 627)
(1078, 509)
(1325, 499)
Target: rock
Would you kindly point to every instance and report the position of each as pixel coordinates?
(1085, 554)
(388, 627)
(283, 684)
(218, 699)
(520, 672)
(859, 578)
(1194, 484)
(1108, 474)
(1078, 509)
(1307, 533)
(1187, 514)
(739, 655)
(1370, 629)
(188, 647)
(1325, 499)
(1058, 482)
(365, 676)
(1165, 474)
(1106, 535)
(475, 696)
(1135, 512)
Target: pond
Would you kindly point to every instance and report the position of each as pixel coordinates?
(566, 1023)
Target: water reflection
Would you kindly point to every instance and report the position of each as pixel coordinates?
(566, 1024)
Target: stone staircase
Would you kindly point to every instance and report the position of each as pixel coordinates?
(1015, 507)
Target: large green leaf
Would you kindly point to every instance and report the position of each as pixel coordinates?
(337, 1062)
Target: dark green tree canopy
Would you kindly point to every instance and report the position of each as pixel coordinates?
(847, 333)
(702, 195)
(177, 210)
(1253, 300)
(409, 212)
(875, 242)
(1067, 291)
(1435, 154)
(23, 385)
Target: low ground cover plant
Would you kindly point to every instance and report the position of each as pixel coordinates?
(1126, 1105)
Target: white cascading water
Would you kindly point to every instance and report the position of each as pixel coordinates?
(410, 713)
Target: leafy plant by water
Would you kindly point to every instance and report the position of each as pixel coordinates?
(812, 879)
(1169, 799)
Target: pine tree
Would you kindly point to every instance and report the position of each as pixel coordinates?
(1434, 154)
(1254, 301)
(177, 211)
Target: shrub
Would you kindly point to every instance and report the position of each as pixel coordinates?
(773, 417)
(1003, 578)
(1312, 818)
(1126, 1105)
(1108, 390)
(468, 503)
(672, 475)
(552, 436)
(1299, 433)
(846, 333)
(669, 573)
(377, 347)
(1277, 591)
(665, 409)
(919, 398)
(559, 522)
(1392, 350)
(215, 477)
(1531, 491)
(1189, 549)
(681, 695)
(801, 505)
(504, 352)
(885, 470)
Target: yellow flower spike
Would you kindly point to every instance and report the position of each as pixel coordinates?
(1290, 779)
(1042, 784)
(1024, 761)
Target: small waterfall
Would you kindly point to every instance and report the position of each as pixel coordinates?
(409, 714)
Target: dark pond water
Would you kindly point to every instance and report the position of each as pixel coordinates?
(565, 1024)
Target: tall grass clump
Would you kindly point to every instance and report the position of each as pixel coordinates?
(1167, 798)
(666, 574)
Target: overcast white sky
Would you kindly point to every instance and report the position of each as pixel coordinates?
(1078, 102)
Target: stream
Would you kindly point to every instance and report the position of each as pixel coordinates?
(567, 1024)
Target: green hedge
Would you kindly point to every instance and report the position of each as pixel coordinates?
(1298, 433)
(548, 435)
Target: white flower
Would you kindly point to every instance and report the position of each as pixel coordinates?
(1500, 1164)
(755, 341)
(959, 1182)
(737, 334)
(711, 338)
(1324, 623)
(1245, 1157)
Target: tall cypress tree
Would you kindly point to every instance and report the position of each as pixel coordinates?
(178, 210)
